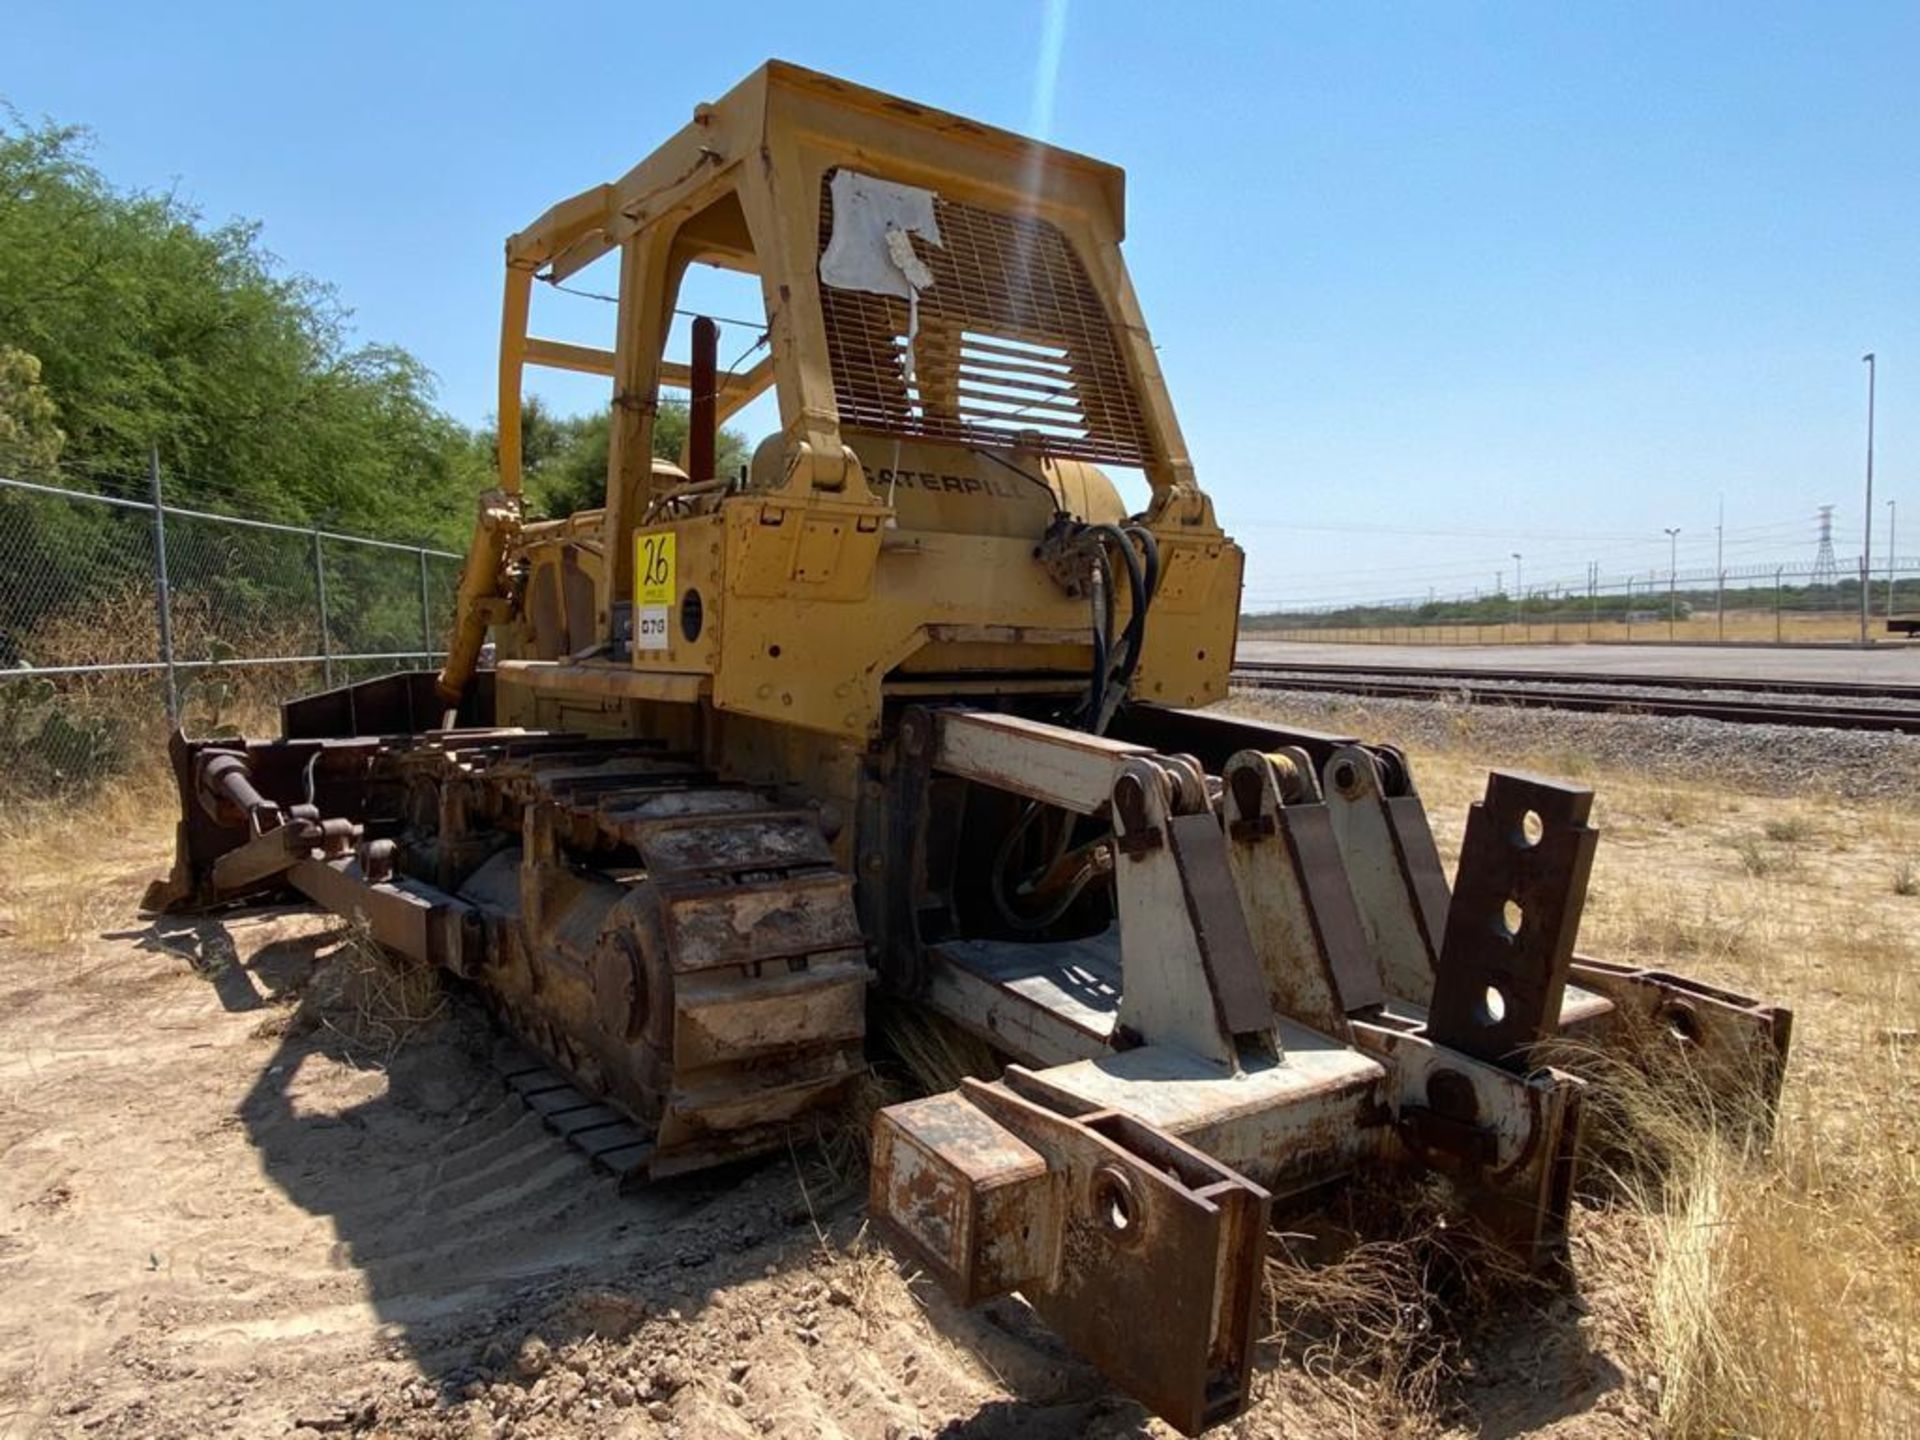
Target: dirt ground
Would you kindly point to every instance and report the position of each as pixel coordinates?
(231, 1205)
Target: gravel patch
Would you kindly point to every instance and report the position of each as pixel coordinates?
(1758, 759)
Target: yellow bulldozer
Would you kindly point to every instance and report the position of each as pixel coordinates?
(910, 705)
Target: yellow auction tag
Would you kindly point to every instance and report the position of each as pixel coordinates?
(652, 588)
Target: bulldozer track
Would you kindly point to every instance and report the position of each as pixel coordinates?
(713, 982)
(605, 1135)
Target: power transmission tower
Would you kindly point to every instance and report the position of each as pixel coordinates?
(1826, 570)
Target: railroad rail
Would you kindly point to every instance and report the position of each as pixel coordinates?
(1833, 705)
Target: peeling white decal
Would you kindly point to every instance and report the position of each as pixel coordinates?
(869, 249)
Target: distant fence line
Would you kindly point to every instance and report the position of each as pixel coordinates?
(54, 565)
(1746, 604)
(119, 613)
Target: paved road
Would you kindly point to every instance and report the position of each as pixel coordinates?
(1885, 664)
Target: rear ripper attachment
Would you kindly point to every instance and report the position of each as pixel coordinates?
(1287, 994)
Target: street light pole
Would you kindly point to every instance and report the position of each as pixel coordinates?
(1673, 565)
(1866, 548)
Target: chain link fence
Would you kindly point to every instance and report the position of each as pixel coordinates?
(1753, 605)
(122, 614)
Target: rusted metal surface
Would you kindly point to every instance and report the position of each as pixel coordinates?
(1043, 762)
(403, 915)
(1418, 857)
(405, 703)
(1729, 1044)
(702, 419)
(1188, 974)
(1037, 1003)
(1357, 782)
(1133, 1246)
(687, 961)
(1219, 925)
(1508, 1141)
(1522, 883)
(711, 924)
(966, 1197)
(1221, 939)
(1294, 893)
(269, 854)
(1287, 1123)
(682, 950)
(330, 775)
(1214, 738)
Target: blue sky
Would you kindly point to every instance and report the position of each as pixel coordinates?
(1431, 283)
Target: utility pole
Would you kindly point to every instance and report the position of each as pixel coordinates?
(1673, 563)
(1866, 545)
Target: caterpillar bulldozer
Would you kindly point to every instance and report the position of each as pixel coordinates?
(912, 705)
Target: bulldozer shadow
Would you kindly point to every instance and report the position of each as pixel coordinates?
(461, 1222)
(273, 972)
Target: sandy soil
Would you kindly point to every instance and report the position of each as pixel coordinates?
(227, 1208)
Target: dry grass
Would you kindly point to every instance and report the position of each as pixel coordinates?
(60, 822)
(1906, 879)
(54, 853)
(1380, 1300)
(915, 1053)
(379, 1000)
(1778, 1284)
(70, 738)
(930, 1053)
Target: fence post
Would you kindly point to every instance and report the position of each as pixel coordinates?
(162, 592)
(1776, 604)
(1629, 607)
(1720, 605)
(326, 626)
(1866, 584)
(426, 612)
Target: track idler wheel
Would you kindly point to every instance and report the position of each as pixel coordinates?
(632, 978)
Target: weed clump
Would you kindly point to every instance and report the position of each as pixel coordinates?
(379, 1000)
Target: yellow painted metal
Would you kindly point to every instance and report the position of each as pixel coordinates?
(851, 558)
(478, 602)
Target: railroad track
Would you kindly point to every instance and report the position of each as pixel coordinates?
(1833, 705)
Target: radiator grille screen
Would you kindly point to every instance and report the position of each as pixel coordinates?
(1012, 340)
